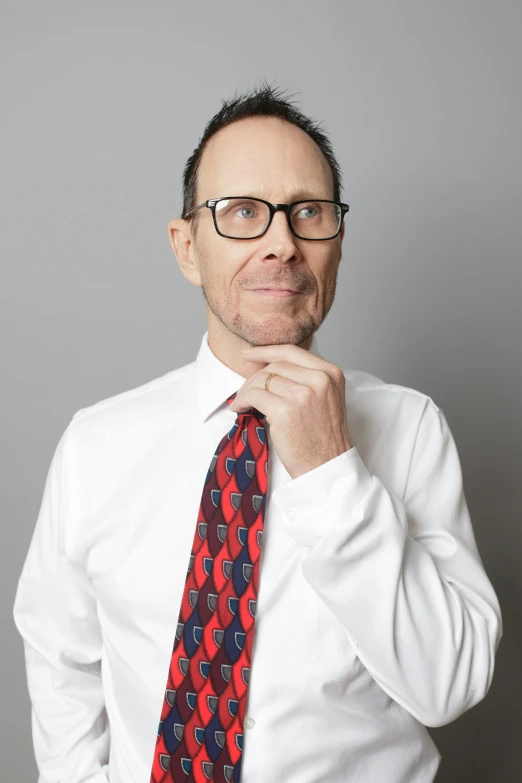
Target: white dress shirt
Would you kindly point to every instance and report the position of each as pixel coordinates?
(374, 619)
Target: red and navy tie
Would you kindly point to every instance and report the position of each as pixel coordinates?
(200, 735)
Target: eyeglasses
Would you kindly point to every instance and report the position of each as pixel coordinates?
(245, 217)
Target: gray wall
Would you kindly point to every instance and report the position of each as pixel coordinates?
(102, 103)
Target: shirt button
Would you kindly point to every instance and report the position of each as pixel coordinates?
(249, 723)
(290, 514)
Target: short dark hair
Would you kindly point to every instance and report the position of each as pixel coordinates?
(262, 101)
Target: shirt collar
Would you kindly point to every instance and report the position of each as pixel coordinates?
(215, 382)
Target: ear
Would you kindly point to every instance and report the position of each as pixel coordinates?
(182, 243)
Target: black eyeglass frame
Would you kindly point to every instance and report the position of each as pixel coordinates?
(211, 204)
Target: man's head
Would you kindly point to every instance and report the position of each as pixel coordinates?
(259, 145)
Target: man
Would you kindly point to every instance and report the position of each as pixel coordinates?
(374, 617)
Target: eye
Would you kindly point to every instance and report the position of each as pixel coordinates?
(242, 210)
(310, 211)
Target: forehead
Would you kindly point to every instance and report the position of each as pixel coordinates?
(266, 157)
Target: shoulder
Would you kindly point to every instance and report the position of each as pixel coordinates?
(105, 439)
(134, 417)
(147, 396)
(372, 388)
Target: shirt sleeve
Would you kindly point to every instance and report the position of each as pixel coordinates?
(403, 575)
(55, 613)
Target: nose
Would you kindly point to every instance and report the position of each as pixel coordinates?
(280, 220)
(279, 239)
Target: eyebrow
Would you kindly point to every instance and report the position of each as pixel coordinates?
(298, 195)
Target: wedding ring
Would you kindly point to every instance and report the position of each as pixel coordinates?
(267, 380)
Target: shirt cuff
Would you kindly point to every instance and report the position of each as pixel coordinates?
(332, 492)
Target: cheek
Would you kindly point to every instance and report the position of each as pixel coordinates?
(222, 264)
(233, 275)
(212, 271)
(330, 272)
(322, 274)
(224, 284)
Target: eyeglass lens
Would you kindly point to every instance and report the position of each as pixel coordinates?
(243, 218)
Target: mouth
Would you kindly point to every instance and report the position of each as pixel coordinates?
(277, 292)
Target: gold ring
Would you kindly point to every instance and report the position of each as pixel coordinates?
(267, 380)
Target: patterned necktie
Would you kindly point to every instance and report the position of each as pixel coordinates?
(200, 735)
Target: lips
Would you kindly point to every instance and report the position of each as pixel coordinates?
(271, 288)
(274, 293)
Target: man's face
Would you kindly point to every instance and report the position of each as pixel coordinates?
(276, 161)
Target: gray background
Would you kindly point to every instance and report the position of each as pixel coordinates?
(102, 103)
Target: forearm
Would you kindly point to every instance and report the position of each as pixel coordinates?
(402, 575)
(428, 638)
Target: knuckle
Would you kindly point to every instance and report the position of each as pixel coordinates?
(306, 392)
(324, 379)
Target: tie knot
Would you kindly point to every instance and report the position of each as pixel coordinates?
(249, 412)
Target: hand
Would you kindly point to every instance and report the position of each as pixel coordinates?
(305, 405)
